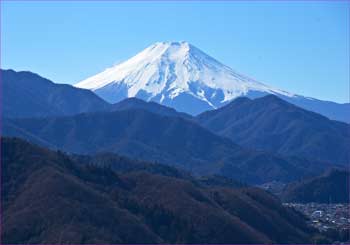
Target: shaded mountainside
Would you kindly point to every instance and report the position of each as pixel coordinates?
(125, 165)
(170, 140)
(272, 124)
(332, 187)
(47, 197)
(332, 110)
(134, 103)
(26, 94)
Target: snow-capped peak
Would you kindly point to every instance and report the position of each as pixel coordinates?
(168, 71)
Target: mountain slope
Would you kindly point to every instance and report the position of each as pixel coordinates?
(49, 198)
(26, 94)
(331, 187)
(179, 75)
(46, 198)
(171, 140)
(272, 124)
(134, 103)
(176, 74)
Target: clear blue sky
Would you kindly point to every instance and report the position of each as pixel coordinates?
(302, 47)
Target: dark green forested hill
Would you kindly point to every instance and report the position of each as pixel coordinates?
(48, 197)
(331, 187)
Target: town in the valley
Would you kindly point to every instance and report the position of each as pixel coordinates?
(327, 218)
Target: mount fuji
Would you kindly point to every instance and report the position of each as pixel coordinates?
(181, 76)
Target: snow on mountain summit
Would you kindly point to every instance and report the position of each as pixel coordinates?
(176, 74)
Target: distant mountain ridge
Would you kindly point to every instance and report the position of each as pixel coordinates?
(134, 103)
(25, 94)
(28, 95)
(272, 124)
(171, 140)
(179, 75)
